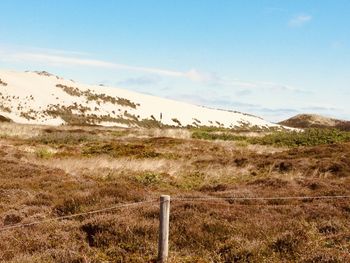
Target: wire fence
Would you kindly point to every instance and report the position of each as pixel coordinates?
(207, 199)
(164, 212)
(233, 198)
(77, 215)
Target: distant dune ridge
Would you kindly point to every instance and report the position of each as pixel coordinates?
(315, 121)
(43, 98)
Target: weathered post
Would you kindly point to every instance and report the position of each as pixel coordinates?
(163, 228)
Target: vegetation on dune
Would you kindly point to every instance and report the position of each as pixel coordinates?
(46, 74)
(79, 115)
(29, 115)
(117, 166)
(309, 137)
(316, 121)
(4, 119)
(92, 96)
(3, 83)
(176, 121)
(343, 126)
(5, 109)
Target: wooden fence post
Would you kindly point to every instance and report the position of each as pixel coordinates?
(163, 228)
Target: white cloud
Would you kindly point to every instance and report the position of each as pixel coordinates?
(261, 85)
(77, 61)
(65, 58)
(198, 76)
(299, 20)
(146, 80)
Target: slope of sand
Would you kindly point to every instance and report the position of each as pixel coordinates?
(25, 97)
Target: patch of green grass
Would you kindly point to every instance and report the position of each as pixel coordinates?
(149, 178)
(191, 181)
(44, 153)
(309, 137)
(119, 150)
(119, 133)
(242, 144)
(210, 129)
(226, 136)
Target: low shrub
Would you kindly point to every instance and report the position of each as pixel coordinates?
(65, 137)
(289, 243)
(191, 181)
(5, 109)
(4, 119)
(3, 83)
(44, 153)
(205, 135)
(116, 150)
(309, 137)
(67, 207)
(176, 121)
(149, 178)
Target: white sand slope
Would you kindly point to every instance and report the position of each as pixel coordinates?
(42, 98)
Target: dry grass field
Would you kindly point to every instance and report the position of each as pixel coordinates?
(48, 172)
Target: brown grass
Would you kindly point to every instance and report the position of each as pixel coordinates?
(67, 181)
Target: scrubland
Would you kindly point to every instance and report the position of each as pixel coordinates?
(48, 172)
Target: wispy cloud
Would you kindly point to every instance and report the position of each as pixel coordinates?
(243, 92)
(77, 61)
(250, 86)
(214, 101)
(322, 108)
(140, 81)
(66, 58)
(62, 59)
(227, 103)
(299, 20)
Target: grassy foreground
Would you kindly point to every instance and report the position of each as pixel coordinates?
(47, 172)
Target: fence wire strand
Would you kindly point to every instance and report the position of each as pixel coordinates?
(177, 199)
(234, 198)
(76, 215)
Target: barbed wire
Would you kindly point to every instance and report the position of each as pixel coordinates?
(76, 215)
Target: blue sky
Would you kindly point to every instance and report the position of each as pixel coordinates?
(270, 58)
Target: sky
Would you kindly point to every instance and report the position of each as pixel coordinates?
(270, 58)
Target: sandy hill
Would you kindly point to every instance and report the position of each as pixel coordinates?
(43, 98)
(315, 121)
